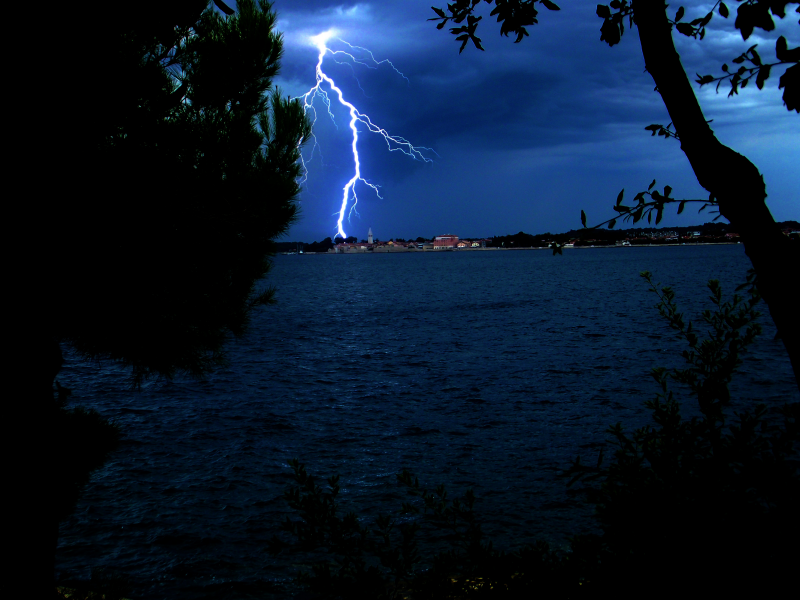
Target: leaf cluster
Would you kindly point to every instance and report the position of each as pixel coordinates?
(697, 27)
(740, 77)
(614, 22)
(756, 13)
(514, 17)
(751, 14)
(644, 208)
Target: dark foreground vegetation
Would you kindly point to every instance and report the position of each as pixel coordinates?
(689, 507)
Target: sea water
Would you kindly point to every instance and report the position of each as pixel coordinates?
(490, 370)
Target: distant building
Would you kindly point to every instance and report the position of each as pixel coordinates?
(369, 236)
(445, 242)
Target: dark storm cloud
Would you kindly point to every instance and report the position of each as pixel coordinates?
(535, 130)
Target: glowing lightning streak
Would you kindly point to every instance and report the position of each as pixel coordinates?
(372, 56)
(394, 143)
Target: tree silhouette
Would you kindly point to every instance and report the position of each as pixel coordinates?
(733, 182)
(175, 167)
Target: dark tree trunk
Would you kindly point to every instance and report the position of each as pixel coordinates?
(733, 180)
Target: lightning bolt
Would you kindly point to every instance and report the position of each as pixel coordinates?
(394, 143)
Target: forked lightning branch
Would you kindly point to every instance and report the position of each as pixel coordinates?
(393, 142)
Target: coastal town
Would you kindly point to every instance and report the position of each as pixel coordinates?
(709, 233)
(440, 242)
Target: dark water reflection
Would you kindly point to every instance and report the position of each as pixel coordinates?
(489, 370)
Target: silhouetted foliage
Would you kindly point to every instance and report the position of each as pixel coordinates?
(288, 246)
(701, 503)
(83, 442)
(349, 560)
(520, 240)
(322, 246)
(187, 170)
(515, 16)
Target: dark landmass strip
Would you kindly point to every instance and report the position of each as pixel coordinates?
(708, 233)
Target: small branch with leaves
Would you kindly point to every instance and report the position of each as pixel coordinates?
(697, 27)
(667, 132)
(750, 14)
(712, 361)
(761, 71)
(644, 208)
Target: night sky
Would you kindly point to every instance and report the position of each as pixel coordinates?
(526, 134)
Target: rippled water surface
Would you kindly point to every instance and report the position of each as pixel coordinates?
(489, 370)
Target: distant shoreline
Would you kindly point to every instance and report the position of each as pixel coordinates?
(417, 250)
